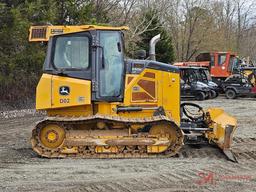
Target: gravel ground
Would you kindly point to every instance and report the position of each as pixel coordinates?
(196, 169)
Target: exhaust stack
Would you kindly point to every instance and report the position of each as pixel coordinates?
(152, 47)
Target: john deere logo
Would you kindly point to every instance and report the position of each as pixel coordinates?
(64, 90)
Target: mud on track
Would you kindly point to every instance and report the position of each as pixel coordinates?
(22, 170)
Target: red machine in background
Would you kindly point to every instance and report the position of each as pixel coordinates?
(220, 64)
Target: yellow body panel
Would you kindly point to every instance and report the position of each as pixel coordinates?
(43, 92)
(83, 110)
(49, 97)
(165, 92)
(171, 95)
(107, 108)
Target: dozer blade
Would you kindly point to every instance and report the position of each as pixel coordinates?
(223, 127)
(227, 143)
(230, 155)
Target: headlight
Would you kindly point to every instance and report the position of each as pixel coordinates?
(247, 85)
(212, 84)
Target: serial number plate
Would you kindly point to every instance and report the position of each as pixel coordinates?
(64, 100)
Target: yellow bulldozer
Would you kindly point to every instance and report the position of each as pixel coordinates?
(97, 108)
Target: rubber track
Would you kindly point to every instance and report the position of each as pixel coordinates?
(78, 120)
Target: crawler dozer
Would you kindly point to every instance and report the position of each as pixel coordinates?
(96, 108)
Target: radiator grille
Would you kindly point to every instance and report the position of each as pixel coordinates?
(39, 33)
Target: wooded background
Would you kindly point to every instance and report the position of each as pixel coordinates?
(187, 27)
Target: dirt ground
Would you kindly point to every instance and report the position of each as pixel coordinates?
(196, 169)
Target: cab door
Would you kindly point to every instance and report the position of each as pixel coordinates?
(110, 67)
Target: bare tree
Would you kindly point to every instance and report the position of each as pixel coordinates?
(244, 16)
(189, 24)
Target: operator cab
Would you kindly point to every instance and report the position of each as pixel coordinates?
(221, 64)
(95, 55)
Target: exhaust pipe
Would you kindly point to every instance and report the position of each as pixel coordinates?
(152, 47)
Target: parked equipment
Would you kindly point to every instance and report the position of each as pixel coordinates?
(197, 83)
(191, 86)
(98, 109)
(223, 65)
(237, 85)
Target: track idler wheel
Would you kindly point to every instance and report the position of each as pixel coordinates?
(172, 132)
(52, 136)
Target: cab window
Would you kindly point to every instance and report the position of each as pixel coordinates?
(71, 52)
(111, 75)
(221, 59)
(212, 60)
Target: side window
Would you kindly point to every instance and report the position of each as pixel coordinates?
(221, 59)
(72, 52)
(212, 60)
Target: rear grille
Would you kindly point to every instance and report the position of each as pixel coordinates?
(39, 33)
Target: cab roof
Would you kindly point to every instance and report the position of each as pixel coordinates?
(44, 32)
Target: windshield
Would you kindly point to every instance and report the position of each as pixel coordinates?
(190, 76)
(111, 73)
(222, 59)
(200, 75)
